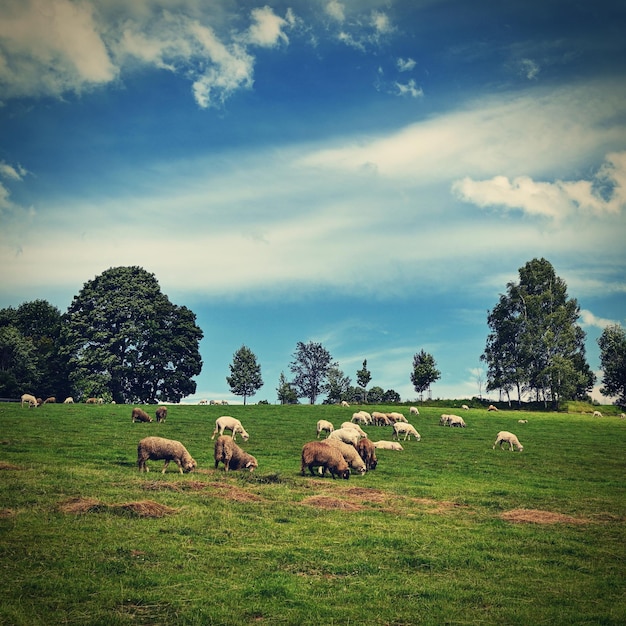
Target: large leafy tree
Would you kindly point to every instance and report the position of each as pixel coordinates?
(126, 340)
(245, 373)
(310, 365)
(424, 372)
(612, 343)
(338, 386)
(363, 378)
(535, 343)
(18, 358)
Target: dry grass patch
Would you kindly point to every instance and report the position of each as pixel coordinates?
(9, 466)
(534, 516)
(328, 502)
(143, 508)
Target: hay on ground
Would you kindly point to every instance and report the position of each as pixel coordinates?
(534, 516)
(327, 502)
(144, 508)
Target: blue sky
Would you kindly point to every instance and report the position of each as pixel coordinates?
(367, 174)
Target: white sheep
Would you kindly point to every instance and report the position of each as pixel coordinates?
(349, 453)
(344, 403)
(414, 410)
(622, 416)
(30, 400)
(380, 419)
(367, 416)
(387, 445)
(465, 407)
(320, 454)
(355, 427)
(324, 426)
(397, 417)
(597, 414)
(506, 437)
(522, 421)
(359, 418)
(444, 419)
(492, 408)
(347, 435)
(456, 421)
(232, 456)
(407, 429)
(68, 400)
(157, 448)
(226, 422)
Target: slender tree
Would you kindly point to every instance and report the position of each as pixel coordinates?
(424, 372)
(363, 378)
(612, 343)
(285, 391)
(124, 338)
(245, 374)
(310, 365)
(338, 385)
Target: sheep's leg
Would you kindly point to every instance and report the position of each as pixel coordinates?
(167, 462)
(180, 465)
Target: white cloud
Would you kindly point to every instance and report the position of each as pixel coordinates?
(409, 89)
(267, 28)
(529, 68)
(336, 10)
(11, 172)
(381, 23)
(405, 65)
(589, 319)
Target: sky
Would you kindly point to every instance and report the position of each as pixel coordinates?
(368, 174)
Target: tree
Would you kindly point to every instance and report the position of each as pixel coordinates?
(376, 394)
(338, 386)
(310, 366)
(391, 395)
(363, 378)
(612, 343)
(124, 338)
(18, 363)
(425, 372)
(245, 374)
(285, 391)
(535, 342)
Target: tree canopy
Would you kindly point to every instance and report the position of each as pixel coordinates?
(612, 343)
(363, 378)
(125, 339)
(245, 374)
(424, 372)
(310, 366)
(535, 343)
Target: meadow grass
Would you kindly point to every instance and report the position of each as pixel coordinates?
(448, 531)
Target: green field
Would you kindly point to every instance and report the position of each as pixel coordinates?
(448, 531)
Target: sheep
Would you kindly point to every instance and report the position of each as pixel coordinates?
(324, 426)
(492, 408)
(347, 435)
(359, 418)
(367, 451)
(597, 414)
(91, 401)
(456, 421)
(30, 400)
(507, 437)
(355, 427)
(622, 416)
(397, 417)
(366, 416)
(380, 419)
(387, 445)
(157, 448)
(205, 402)
(68, 400)
(344, 403)
(465, 407)
(522, 421)
(161, 414)
(320, 454)
(232, 456)
(139, 415)
(414, 410)
(407, 429)
(226, 422)
(50, 400)
(444, 419)
(349, 453)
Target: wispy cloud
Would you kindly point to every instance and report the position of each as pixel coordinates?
(405, 65)
(409, 89)
(589, 319)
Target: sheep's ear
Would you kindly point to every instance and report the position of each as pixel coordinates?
(249, 463)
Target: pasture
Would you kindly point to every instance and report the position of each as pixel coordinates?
(447, 531)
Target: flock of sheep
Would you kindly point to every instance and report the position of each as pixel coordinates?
(345, 449)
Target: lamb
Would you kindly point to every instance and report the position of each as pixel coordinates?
(232, 456)
(139, 415)
(161, 414)
(456, 421)
(50, 400)
(68, 400)
(367, 451)
(344, 403)
(355, 427)
(347, 435)
(407, 429)
(91, 401)
(597, 414)
(157, 448)
(320, 454)
(507, 437)
(349, 453)
(414, 410)
(226, 422)
(522, 421)
(492, 408)
(324, 426)
(30, 399)
(387, 445)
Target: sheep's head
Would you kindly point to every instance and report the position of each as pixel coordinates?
(252, 465)
(189, 465)
(345, 474)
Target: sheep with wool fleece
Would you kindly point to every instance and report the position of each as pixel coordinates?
(457, 421)
(320, 454)
(359, 418)
(367, 451)
(397, 417)
(350, 454)
(226, 422)
(30, 399)
(347, 435)
(504, 436)
(226, 451)
(158, 448)
(355, 427)
(139, 415)
(324, 426)
(414, 410)
(387, 445)
(408, 430)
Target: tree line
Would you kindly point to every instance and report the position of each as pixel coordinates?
(123, 340)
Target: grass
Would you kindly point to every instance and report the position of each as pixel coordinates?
(448, 531)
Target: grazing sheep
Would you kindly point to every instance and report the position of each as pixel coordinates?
(367, 451)
(492, 408)
(347, 435)
(597, 414)
(465, 407)
(507, 437)
(380, 419)
(320, 454)
(387, 445)
(397, 417)
(355, 427)
(367, 416)
(522, 421)
(91, 401)
(139, 415)
(324, 426)
(456, 421)
(232, 456)
(68, 400)
(344, 403)
(161, 413)
(444, 419)
(414, 410)
(50, 400)
(157, 448)
(349, 453)
(226, 422)
(622, 416)
(407, 429)
(359, 418)
(205, 402)
(30, 400)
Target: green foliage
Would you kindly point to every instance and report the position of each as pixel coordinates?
(310, 366)
(285, 392)
(121, 335)
(423, 539)
(18, 363)
(424, 372)
(363, 378)
(245, 374)
(612, 345)
(338, 386)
